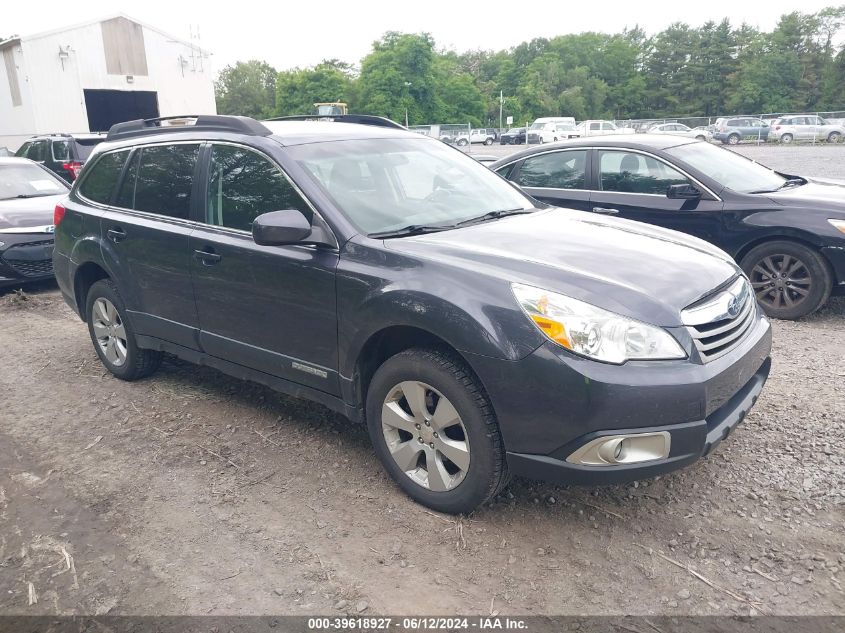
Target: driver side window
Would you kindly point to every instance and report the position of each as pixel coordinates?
(243, 185)
(629, 172)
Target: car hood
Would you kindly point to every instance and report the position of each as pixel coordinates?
(28, 212)
(638, 270)
(818, 191)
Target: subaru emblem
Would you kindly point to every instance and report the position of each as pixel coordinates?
(733, 306)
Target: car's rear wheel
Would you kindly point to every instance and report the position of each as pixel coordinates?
(435, 432)
(462, 142)
(834, 137)
(786, 138)
(113, 336)
(488, 141)
(733, 139)
(700, 137)
(789, 279)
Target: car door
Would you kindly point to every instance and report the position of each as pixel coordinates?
(270, 308)
(632, 184)
(556, 177)
(146, 234)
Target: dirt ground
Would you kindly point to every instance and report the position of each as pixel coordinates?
(194, 493)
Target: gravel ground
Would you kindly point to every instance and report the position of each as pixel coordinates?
(194, 493)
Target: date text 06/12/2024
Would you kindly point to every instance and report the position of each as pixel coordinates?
(416, 624)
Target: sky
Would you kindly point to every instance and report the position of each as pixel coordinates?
(291, 33)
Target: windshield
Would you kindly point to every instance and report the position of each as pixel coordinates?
(515, 130)
(387, 184)
(537, 126)
(727, 168)
(22, 180)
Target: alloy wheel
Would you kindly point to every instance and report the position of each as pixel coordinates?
(781, 281)
(109, 331)
(425, 436)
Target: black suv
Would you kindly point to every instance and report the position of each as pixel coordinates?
(63, 154)
(397, 281)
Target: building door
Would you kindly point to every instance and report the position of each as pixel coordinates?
(107, 107)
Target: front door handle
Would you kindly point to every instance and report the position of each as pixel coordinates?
(207, 258)
(605, 210)
(116, 234)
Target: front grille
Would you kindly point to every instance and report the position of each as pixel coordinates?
(26, 266)
(719, 323)
(37, 268)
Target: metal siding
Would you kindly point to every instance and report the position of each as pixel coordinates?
(123, 45)
(12, 75)
(54, 93)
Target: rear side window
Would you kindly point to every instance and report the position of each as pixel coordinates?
(38, 151)
(243, 185)
(557, 170)
(629, 172)
(23, 149)
(162, 180)
(61, 150)
(101, 179)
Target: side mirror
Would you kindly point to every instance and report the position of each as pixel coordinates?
(682, 192)
(280, 227)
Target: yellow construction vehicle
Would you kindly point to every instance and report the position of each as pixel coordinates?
(336, 108)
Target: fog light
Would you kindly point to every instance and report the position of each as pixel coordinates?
(631, 448)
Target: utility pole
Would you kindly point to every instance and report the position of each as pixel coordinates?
(501, 104)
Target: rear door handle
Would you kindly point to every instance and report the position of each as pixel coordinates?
(116, 234)
(605, 210)
(207, 258)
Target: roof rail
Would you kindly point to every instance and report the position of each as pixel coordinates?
(202, 122)
(361, 119)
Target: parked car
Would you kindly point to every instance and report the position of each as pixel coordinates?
(806, 127)
(550, 129)
(475, 136)
(28, 195)
(786, 232)
(514, 136)
(731, 131)
(601, 128)
(474, 330)
(679, 129)
(63, 154)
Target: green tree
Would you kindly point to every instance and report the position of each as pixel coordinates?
(298, 90)
(247, 89)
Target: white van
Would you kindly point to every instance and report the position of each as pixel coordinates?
(549, 129)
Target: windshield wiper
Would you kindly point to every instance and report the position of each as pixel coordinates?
(494, 215)
(412, 229)
(789, 182)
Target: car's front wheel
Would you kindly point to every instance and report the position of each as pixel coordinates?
(834, 137)
(435, 432)
(789, 279)
(113, 336)
(488, 141)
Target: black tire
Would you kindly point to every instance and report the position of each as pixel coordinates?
(463, 142)
(786, 138)
(812, 277)
(488, 141)
(734, 139)
(834, 137)
(487, 471)
(138, 362)
(700, 138)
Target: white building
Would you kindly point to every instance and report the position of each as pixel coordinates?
(85, 78)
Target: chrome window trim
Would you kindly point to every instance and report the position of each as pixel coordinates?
(657, 158)
(611, 149)
(194, 223)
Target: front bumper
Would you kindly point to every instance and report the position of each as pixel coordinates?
(552, 402)
(25, 257)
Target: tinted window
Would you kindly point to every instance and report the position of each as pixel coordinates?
(594, 126)
(61, 150)
(126, 195)
(101, 179)
(243, 185)
(38, 151)
(22, 150)
(505, 171)
(559, 170)
(84, 147)
(636, 173)
(165, 175)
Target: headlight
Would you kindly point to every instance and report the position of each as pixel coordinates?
(838, 224)
(590, 331)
